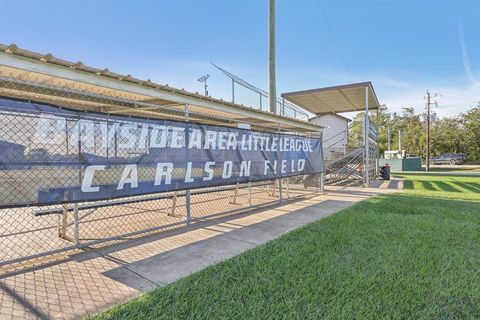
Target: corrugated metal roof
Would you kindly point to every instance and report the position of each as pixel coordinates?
(80, 66)
(343, 98)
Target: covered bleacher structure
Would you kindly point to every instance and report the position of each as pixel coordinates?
(32, 232)
(360, 162)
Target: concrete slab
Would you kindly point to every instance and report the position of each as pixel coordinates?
(173, 265)
(67, 290)
(90, 282)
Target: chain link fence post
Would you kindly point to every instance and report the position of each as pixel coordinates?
(249, 194)
(322, 182)
(187, 207)
(187, 192)
(280, 197)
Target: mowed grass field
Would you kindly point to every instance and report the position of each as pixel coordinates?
(410, 255)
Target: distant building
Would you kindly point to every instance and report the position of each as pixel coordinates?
(335, 134)
(433, 117)
(10, 151)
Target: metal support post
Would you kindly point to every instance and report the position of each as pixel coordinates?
(62, 221)
(249, 194)
(280, 197)
(377, 153)
(62, 230)
(366, 132)
(274, 187)
(187, 192)
(235, 194)
(233, 91)
(322, 183)
(288, 188)
(187, 206)
(174, 204)
(76, 224)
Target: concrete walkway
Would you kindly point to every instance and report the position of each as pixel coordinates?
(90, 282)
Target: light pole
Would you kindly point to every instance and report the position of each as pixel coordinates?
(272, 95)
(204, 80)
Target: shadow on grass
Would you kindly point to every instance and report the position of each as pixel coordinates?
(471, 186)
(399, 246)
(408, 184)
(447, 187)
(427, 185)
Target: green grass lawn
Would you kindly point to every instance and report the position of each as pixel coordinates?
(414, 254)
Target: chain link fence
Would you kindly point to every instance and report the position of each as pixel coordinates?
(30, 231)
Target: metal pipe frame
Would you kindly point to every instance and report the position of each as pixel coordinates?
(366, 128)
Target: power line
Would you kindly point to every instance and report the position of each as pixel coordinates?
(334, 39)
(456, 98)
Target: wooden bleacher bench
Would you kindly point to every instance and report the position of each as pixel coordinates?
(129, 200)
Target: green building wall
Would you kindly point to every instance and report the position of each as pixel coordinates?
(411, 164)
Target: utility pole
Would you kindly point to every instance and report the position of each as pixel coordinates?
(389, 136)
(272, 94)
(204, 79)
(427, 157)
(399, 140)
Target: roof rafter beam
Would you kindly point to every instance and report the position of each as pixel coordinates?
(140, 107)
(348, 99)
(324, 103)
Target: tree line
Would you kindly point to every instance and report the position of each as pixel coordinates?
(407, 131)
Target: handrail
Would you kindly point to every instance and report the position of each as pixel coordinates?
(347, 170)
(334, 143)
(353, 153)
(335, 135)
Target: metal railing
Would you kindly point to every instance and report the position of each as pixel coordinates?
(285, 108)
(347, 168)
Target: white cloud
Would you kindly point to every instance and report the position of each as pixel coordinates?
(465, 58)
(451, 100)
(456, 96)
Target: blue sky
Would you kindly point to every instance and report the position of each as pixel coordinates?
(403, 47)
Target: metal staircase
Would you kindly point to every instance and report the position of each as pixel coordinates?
(345, 169)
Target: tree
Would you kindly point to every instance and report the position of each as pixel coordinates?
(447, 136)
(355, 133)
(460, 134)
(413, 132)
(355, 130)
(471, 134)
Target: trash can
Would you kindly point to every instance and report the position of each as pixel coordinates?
(385, 172)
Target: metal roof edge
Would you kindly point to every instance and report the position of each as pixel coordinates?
(369, 84)
(208, 102)
(339, 87)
